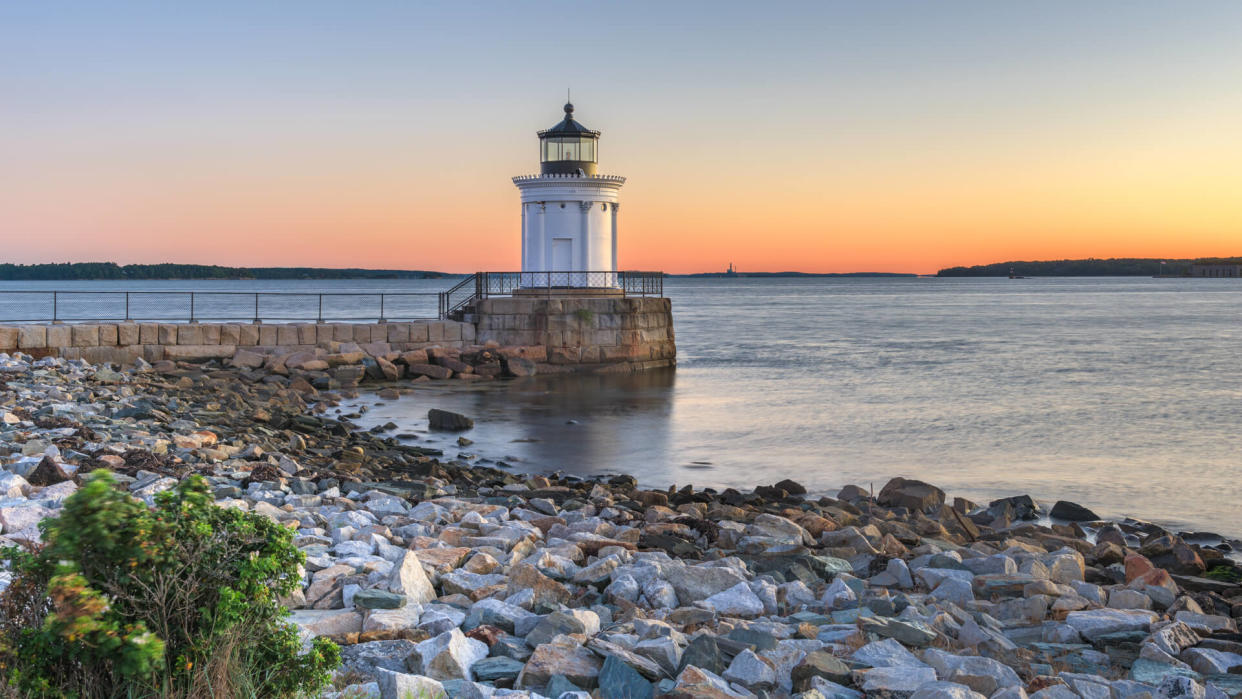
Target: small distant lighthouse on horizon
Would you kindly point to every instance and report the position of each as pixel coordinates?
(569, 213)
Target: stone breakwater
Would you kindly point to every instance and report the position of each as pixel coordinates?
(442, 577)
(546, 335)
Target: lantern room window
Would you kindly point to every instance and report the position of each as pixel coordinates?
(576, 148)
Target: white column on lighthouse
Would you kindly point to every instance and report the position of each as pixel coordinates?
(557, 238)
(614, 239)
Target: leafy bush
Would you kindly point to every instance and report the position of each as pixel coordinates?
(176, 600)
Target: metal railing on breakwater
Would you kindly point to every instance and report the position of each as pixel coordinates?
(71, 306)
(26, 306)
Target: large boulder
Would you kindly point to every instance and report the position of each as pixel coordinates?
(911, 494)
(1072, 512)
(445, 420)
(520, 366)
(694, 583)
(408, 578)
(448, 656)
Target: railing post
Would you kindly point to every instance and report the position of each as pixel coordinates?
(256, 307)
(381, 318)
(319, 319)
(55, 306)
(126, 305)
(191, 307)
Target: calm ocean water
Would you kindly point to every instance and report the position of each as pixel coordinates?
(1121, 394)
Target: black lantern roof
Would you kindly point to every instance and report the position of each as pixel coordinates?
(568, 126)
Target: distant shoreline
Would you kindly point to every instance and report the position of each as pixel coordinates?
(1089, 267)
(110, 271)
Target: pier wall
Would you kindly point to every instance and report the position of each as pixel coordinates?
(122, 343)
(556, 334)
(582, 334)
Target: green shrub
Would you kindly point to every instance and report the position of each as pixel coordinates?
(176, 600)
(585, 315)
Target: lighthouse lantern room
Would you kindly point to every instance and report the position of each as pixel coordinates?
(569, 213)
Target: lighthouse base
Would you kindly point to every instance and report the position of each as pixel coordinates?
(580, 331)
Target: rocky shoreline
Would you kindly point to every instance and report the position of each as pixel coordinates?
(438, 576)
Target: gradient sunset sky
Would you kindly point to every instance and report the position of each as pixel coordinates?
(817, 136)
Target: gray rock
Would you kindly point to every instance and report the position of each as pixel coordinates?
(830, 690)
(955, 590)
(887, 653)
(496, 668)
(737, 601)
(1097, 622)
(378, 599)
(1206, 661)
(694, 583)
(663, 651)
(1175, 687)
(751, 671)
(980, 674)
(945, 690)
(553, 625)
(620, 681)
(896, 681)
(409, 579)
(448, 656)
(818, 664)
(1128, 599)
(1175, 637)
(703, 652)
(400, 685)
(366, 658)
(909, 633)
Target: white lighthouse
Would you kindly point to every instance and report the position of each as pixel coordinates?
(569, 213)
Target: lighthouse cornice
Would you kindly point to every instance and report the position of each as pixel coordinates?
(602, 188)
(561, 179)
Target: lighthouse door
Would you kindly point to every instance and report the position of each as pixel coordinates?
(562, 260)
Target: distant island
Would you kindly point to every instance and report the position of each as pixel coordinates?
(1090, 267)
(103, 271)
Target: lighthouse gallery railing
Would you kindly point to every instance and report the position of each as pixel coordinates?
(486, 284)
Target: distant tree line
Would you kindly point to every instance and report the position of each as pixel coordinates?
(1090, 267)
(92, 271)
